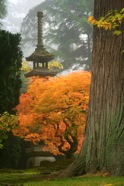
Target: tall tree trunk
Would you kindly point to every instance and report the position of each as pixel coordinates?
(103, 147)
(89, 39)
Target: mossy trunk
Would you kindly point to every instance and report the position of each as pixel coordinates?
(103, 147)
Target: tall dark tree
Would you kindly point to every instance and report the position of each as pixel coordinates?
(103, 147)
(10, 83)
(10, 63)
(66, 22)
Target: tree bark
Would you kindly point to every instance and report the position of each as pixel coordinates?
(103, 146)
(89, 40)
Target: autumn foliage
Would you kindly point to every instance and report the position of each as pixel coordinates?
(53, 110)
(112, 20)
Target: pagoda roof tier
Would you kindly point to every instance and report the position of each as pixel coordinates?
(40, 55)
(41, 72)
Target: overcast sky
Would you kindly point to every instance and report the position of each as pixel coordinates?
(16, 13)
(13, 1)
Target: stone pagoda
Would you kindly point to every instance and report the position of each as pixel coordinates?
(37, 157)
(40, 57)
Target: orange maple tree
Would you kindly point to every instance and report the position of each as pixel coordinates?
(53, 110)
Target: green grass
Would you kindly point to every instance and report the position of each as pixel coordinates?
(32, 178)
(22, 176)
(39, 177)
(86, 181)
(14, 177)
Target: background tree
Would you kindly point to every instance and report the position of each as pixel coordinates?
(2, 9)
(10, 83)
(103, 147)
(53, 110)
(67, 33)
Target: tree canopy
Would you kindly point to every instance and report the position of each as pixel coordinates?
(54, 111)
(10, 83)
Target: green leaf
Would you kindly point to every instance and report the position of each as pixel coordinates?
(122, 11)
(1, 146)
(117, 32)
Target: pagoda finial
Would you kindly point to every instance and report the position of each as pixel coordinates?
(40, 32)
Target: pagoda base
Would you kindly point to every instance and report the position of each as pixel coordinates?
(37, 157)
(39, 160)
(41, 73)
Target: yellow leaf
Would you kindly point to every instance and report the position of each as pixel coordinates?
(93, 21)
(90, 18)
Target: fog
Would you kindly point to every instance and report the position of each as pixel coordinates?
(16, 11)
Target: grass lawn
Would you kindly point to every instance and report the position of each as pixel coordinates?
(42, 177)
(30, 180)
(86, 181)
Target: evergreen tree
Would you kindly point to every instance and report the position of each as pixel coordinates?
(3, 10)
(10, 83)
(10, 63)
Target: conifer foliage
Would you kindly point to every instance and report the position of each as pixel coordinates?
(10, 63)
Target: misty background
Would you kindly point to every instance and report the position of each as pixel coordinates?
(16, 11)
(66, 32)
